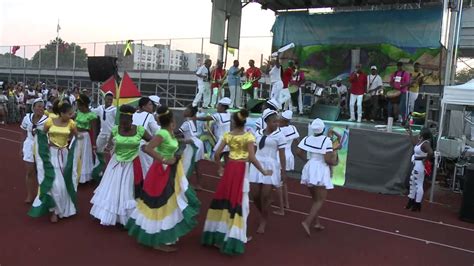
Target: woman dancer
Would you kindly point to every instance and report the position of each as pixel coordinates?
(270, 144)
(316, 173)
(291, 134)
(85, 153)
(144, 117)
(114, 198)
(226, 221)
(166, 206)
(421, 152)
(194, 151)
(30, 123)
(57, 192)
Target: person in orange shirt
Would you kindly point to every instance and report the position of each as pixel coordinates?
(218, 77)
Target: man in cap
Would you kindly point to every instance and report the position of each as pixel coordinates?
(374, 84)
(106, 114)
(204, 85)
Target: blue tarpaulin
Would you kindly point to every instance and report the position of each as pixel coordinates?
(416, 28)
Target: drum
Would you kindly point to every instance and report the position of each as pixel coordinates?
(247, 85)
(293, 88)
(393, 96)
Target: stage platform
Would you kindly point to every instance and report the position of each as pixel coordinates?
(371, 159)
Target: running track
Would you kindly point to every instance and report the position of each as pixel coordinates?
(361, 229)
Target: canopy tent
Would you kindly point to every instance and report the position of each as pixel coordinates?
(456, 95)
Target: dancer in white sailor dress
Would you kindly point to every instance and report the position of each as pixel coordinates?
(114, 199)
(31, 122)
(144, 117)
(316, 174)
(270, 144)
(269, 104)
(222, 121)
(421, 152)
(194, 151)
(292, 136)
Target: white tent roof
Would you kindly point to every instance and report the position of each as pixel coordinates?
(460, 94)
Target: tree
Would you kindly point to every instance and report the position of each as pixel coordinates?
(465, 75)
(65, 55)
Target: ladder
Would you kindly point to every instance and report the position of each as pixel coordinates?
(433, 109)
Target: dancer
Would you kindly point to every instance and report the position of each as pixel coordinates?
(114, 199)
(270, 144)
(222, 120)
(167, 206)
(292, 135)
(226, 220)
(85, 153)
(421, 152)
(144, 117)
(316, 173)
(106, 114)
(275, 79)
(194, 151)
(57, 190)
(271, 104)
(30, 123)
(284, 96)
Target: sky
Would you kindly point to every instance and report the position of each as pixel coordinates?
(33, 22)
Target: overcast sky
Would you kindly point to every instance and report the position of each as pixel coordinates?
(33, 22)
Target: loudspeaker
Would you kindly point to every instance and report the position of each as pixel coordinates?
(467, 206)
(255, 105)
(101, 67)
(325, 112)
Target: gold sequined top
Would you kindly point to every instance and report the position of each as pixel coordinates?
(238, 145)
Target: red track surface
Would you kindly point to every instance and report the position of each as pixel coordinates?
(361, 229)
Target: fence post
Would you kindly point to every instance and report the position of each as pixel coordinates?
(24, 64)
(10, 75)
(74, 64)
(39, 62)
(169, 74)
(140, 67)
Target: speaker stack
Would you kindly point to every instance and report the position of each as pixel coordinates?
(102, 68)
(467, 206)
(255, 105)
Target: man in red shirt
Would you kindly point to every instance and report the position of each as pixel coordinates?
(286, 78)
(217, 76)
(253, 74)
(358, 80)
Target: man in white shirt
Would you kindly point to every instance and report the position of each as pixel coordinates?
(204, 85)
(276, 81)
(106, 114)
(44, 92)
(30, 98)
(342, 92)
(374, 84)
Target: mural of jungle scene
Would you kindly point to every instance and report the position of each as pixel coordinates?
(324, 64)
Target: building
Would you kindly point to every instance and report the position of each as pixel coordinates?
(156, 57)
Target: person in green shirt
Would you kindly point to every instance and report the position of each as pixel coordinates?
(166, 206)
(84, 156)
(114, 198)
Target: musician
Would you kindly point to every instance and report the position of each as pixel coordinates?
(415, 84)
(297, 96)
(358, 80)
(374, 85)
(233, 79)
(342, 92)
(399, 80)
(204, 87)
(284, 97)
(275, 79)
(217, 88)
(253, 74)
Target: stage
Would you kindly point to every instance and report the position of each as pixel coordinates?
(371, 159)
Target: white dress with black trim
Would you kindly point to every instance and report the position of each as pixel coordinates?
(193, 152)
(291, 133)
(29, 143)
(222, 121)
(316, 171)
(268, 157)
(147, 121)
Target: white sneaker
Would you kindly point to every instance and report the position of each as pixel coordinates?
(352, 120)
(359, 120)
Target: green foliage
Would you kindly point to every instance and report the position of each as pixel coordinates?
(65, 55)
(465, 75)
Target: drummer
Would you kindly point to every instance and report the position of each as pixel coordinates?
(297, 96)
(400, 81)
(374, 85)
(253, 75)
